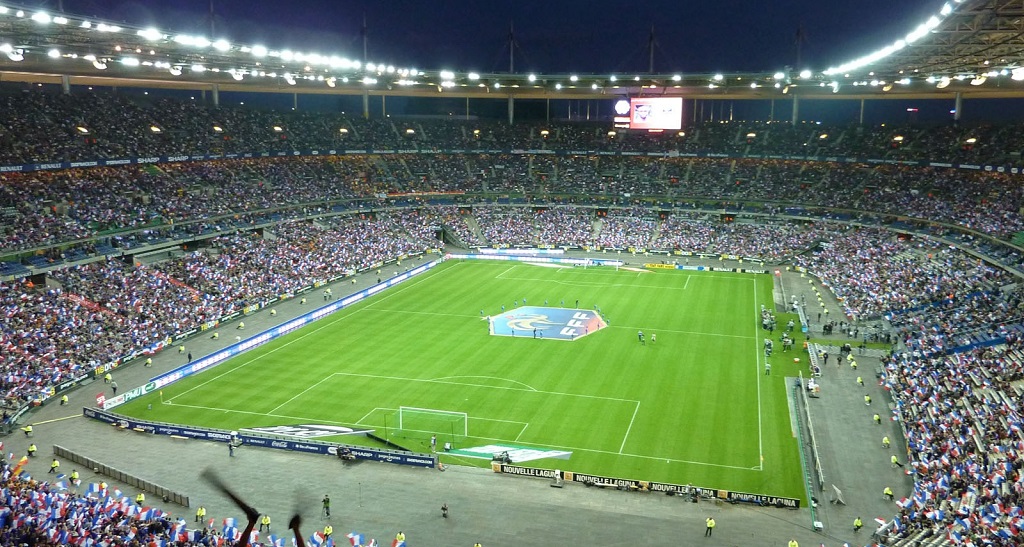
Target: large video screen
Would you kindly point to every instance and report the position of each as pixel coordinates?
(656, 113)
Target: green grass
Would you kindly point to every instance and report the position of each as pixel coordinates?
(695, 407)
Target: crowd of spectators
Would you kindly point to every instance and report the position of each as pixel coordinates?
(872, 271)
(964, 432)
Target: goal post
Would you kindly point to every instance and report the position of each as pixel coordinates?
(432, 421)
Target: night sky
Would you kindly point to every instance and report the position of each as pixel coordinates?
(553, 36)
(563, 36)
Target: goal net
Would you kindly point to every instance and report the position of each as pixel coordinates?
(446, 424)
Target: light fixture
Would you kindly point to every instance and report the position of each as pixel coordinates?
(175, 70)
(53, 53)
(100, 65)
(150, 34)
(804, 74)
(718, 78)
(978, 80)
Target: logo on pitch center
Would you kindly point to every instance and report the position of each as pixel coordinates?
(546, 323)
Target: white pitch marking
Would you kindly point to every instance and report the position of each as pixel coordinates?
(628, 429)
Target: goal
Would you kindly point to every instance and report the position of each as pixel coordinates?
(433, 421)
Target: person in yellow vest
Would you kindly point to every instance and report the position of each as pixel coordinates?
(200, 514)
(477, 544)
(860, 381)
(215, 336)
(328, 530)
(710, 526)
(181, 349)
(28, 430)
(877, 419)
(265, 521)
(241, 325)
(63, 400)
(857, 524)
(140, 499)
(793, 543)
(273, 312)
(895, 462)
(74, 476)
(149, 361)
(107, 378)
(885, 442)
(32, 450)
(887, 494)
(400, 536)
(867, 400)
(54, 466)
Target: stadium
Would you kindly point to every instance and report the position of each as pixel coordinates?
(767, 307)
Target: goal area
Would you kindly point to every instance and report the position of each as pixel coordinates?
(446, 424)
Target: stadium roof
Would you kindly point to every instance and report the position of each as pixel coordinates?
(974, 47)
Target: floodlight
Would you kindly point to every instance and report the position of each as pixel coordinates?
(236, 74)
(574, 78)
(175, 70)
(60, 20)
(259, 51)
(613, 78)
(753, 85)
(1017, 74)
(473, 76)
(676, 77)
(779, 75)
(718, 77)
(532, 77)
(979, 80)
(41, 17)
(445, 74)
(53, 54)
(804, 74)
(221, 45)
(331, 82)
(287, 55)
(17, 55)
(218, 129)
(129, 61)
(946, 10)
(155, 129)
(150, 34)
(198, 68)
(103, 27)
(943, 82)
(971, 140)
(558, 86)
(497, 85)
(3, 9)
(85, 24)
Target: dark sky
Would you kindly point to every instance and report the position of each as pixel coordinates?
(553, 36)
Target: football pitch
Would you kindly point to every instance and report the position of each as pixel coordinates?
(694, 406)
